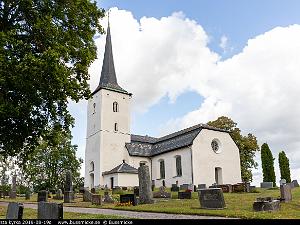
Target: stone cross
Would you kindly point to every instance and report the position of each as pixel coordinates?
(145, 191)
(50, 210)
(14, 211)
(13, 193)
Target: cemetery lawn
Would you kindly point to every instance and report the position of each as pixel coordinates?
(32, 214)
(239, 205)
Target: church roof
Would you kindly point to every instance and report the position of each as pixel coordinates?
(108, 79)
(150, 146)
(122, 168)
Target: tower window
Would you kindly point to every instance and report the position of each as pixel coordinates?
(116, 127)
(115, 107)
(94, 106)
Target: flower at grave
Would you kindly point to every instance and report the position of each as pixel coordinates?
(188, 190)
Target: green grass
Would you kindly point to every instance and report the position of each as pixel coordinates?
(238, 205)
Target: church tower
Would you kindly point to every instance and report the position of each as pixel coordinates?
(108, 123)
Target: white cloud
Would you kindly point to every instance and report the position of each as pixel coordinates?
(223, 43)
(258, 88)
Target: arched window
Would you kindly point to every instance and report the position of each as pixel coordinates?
(94, 107)
(115, 107)
(162, 169)
(116, 127)
(178, 166)
(92, 167)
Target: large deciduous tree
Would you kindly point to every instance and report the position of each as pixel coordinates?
(284, 165)
(267, 163)
(46, 47)
(247, 145)
(48, 163)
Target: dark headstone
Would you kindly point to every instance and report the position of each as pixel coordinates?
(27, 195)
(136, 191)
(266, 204)
(285, 193)
(152, 185)
(238, 188)
(185, 187)
(81, 190)
(42, 196)
(124, 188)
(13, 192)
(295, 182)
(211, 198)
(107, 198)
(184, 195)
(50, 210)
(174, 188)
(87, 195)
(93, 190)
(201, 186)
(161, 193)
(14, 211)
(96, 199)
(226, 188)
(145, 192)
(266, 184)
(128, 198)
(68, 191)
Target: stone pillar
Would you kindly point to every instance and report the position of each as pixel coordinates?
(285, 193)
(68, 194)
(13, 192)
(145, 192)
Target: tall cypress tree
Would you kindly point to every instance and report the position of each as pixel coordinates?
(267, 162)
(284, 165)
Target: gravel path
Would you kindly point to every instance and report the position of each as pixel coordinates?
(130, 214)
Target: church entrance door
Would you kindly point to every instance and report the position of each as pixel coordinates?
(111, 182)
(92, 180)
(218, 175)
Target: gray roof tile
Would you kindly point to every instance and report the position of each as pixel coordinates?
(122, 168)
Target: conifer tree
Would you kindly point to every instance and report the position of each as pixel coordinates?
(284, 165)
(267, 162)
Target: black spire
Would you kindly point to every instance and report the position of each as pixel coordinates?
(108, 79)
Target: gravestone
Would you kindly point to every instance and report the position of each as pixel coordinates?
(136, 191)
(128, 198)
(285, 193)
(238, 187)
(184, 195)
(174, 188)
(124, 188)
(96, 199)
(145, 192)
(27, 195)
(211, 198)
(42, 196)
(81, 190)
(226, 188)
(282, 182)
(266, 184)
(87, 195)
(13, 192)
(93, 190)
(50, 210)
(201, 186)
(58, 195)
(107, 197)
(162, 193)
(295, 182)
(252, 188)
(185, 187)
(266, 204)
(14, 211)
(68, 192)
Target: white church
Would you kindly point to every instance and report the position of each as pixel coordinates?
(197, 155)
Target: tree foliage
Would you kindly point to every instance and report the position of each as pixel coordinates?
(284, 165)
(46, 47)
(247, 145)
(267, 162)
(48, 163)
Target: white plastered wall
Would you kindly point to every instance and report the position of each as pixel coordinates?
(205, 160)
(121, 180)
(170, 167)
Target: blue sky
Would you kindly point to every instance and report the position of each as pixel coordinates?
(251, 76)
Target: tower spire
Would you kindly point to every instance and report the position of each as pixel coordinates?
(108, 79)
